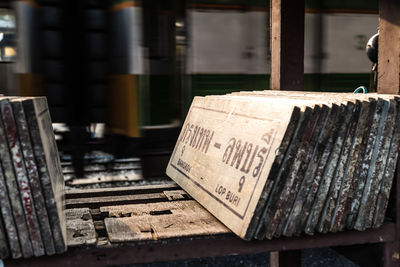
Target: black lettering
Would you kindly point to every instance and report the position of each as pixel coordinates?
(237, 157)
(182, 136)
(189, 133)
(193, 139)
(228, 151)
(241, 183)
(247, 168)
(200, 141)
(260, 156)
(207, 142)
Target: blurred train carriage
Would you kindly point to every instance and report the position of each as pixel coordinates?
(135, 65)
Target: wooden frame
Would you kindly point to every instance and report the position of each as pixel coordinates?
(286, 73)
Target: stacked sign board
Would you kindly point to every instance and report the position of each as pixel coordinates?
(31, 183)
(274, 163)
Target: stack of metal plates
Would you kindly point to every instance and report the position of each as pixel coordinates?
(274, 163)
(31, 183)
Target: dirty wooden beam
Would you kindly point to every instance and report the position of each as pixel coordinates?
(288, 258)
(389, 47)
(186, 248)
(287, 44)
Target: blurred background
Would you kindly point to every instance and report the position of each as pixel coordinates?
(119, 75)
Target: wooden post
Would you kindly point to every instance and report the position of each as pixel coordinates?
(290, 258)
(287, 44)
(391, 254)
(287, 67)
(389, 47)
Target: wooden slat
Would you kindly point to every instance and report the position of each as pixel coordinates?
(158, 221)
(304, 165)
(330, 171)
(33, 175)
(128, 176)
(9, 198)
(80, 227)
(338, 176)
(350, 169)
(96, 202)
(115, 191)
(387, 180)
(377, 168)
(49, 167)
(365, 166)
(189, 248)
(25, 209)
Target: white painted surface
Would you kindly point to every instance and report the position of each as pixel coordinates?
(345, 37)
(229, 42)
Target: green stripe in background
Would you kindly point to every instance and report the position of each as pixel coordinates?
(343, 4)
(244, 3)
(313, 4)
(213, 84)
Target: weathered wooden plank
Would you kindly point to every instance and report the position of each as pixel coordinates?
(33, 233)
(126, 176)
(287, 139)
(362, 178)
(338, 175)
(305, 163)
(292, 179)
(338, 137)
(80, 227)
(387, 180)
(350, 169)
(33, 176)
(5, 196)
(49, 167)
(377, 167)
(157, 221)
(279, 184)
(305, 196)
(357, 165)
(389, 47)
(116, 191)
(4, 250)
(204, 163)
(322, 172)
